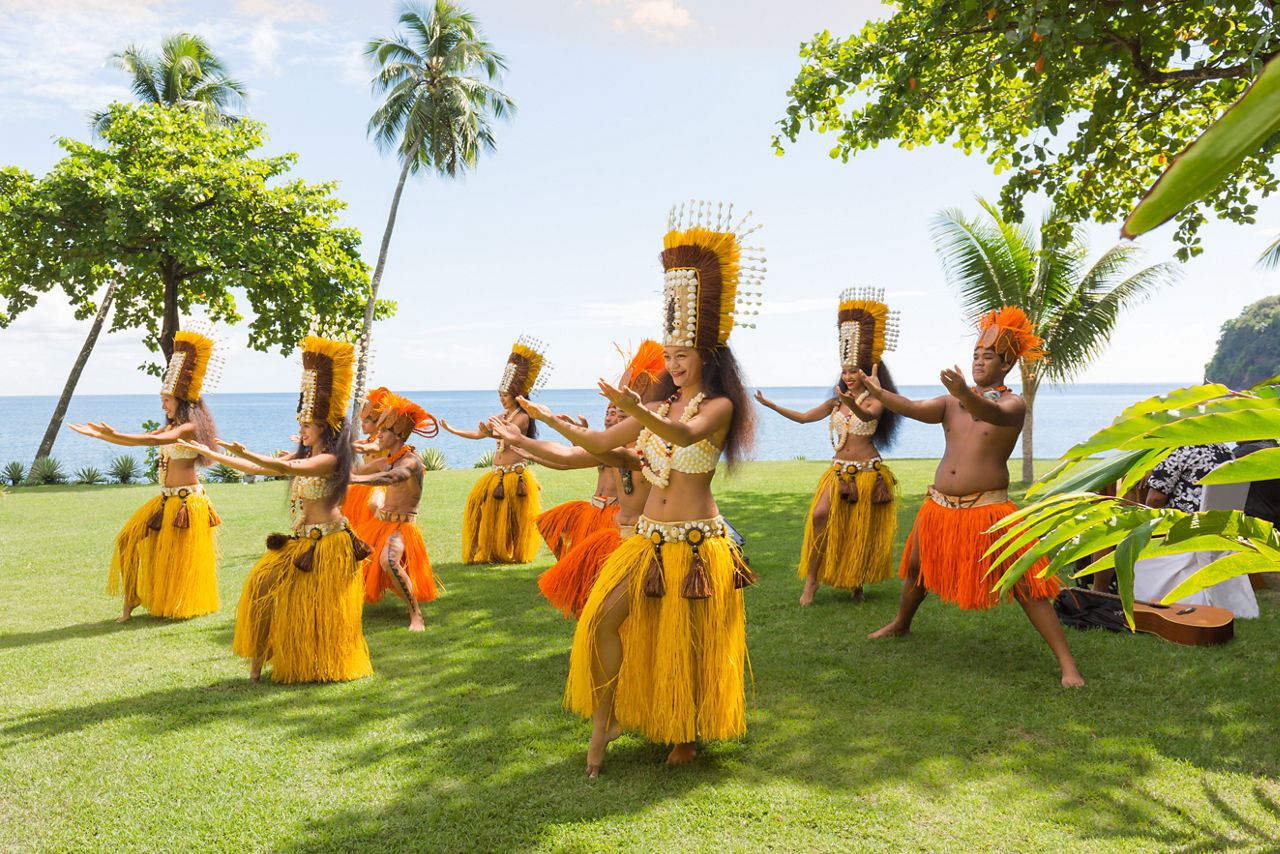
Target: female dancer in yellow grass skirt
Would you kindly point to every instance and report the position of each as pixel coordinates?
(499, 524)
(853, 518)
(362, 498)
(166, 555)
(661, 644)
(301, 605)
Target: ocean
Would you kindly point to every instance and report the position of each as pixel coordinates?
(264, 422)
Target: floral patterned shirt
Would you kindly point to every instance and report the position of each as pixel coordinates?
(1178, 474)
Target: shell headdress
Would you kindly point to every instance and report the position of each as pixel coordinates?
(707, 285)
(867, 327)
(527, 368)
(327, 371)
(402, 417)
(194, 366)
(1010, 333)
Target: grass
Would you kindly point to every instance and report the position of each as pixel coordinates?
(148, 737)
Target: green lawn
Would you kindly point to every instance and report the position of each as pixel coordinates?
(149, 737)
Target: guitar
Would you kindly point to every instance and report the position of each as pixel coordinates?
(1180, 622)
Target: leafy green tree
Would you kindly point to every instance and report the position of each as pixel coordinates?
(184, 75)
(993, 263)
(179, 215)
(1248, 349)
(1084, 101)
(437, 111)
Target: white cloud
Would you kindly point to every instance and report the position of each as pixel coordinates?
(658, 18)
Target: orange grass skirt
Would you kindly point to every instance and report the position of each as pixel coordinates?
(416, 564)
(856, 548)
(568, 583)
(359, 503)
(952, 544)
(566, 525)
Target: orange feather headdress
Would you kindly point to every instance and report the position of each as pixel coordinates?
(1008, 331)
(374, 402)
(643, 368)
(193, 366)
(402, 417)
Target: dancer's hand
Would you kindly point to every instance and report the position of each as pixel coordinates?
(85, 430)
(581, 420)
(762, 399)
(104, 429)
(953, 380)
(192, 445)
(623, 398)
(484, 430)
(236, 449)
(871, 381)
(503, 429)
(536, 411)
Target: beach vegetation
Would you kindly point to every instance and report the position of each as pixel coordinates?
(223, 473)
(1074, 304)
(486, 459)
(15, 472)
(436, 76)
(125, 468)
(433, 459)
(45, 471)
(88, 475)
(1079, 101)
(1248, 350)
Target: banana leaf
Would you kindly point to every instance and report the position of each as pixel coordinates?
(1239, 132)
(1230, 566)
(1126, 555)
(1212, 427)
(1086, 476)
(1177, 399)
(1260, 465)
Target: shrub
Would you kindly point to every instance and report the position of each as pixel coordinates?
(153, 456)
(15, 473)
(89, 475)
(487, 460)
(125, 468)
(433, 459)
(223, 473)
(46, 470)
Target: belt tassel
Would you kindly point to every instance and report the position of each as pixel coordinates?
(654, 585)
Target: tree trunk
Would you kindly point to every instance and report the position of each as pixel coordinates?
(366, 331)
(170, 326)
(1030, 385)
(55, 423)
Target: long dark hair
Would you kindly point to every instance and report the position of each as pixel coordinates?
(887, 430)
(721, 377)
(197, 414)
(338, 443)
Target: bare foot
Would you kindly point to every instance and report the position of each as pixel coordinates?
(416, 624)
(128, 611)
(1071, 678)
(893, 630)
(857, 595)
(255, 671)
(599, 744)
(810, 588)
(683, 753)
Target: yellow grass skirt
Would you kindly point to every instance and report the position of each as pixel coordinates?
(682, 659)
(857, 546)
(565, 525)
(173, 570)
(501, 529)
(305, 622)
(952, 544)
(417, 565)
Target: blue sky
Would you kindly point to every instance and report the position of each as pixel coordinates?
(625, 106)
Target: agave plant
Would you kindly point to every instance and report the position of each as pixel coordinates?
(433, 459)
(15, 473)
(125, 468)
(223, 473)
(46, 470)
(89, 475)
(486, 459)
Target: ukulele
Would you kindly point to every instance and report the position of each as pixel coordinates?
(1180, 622)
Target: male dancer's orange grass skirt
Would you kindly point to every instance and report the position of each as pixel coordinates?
(682, 659)
(953, 541)
(499, 523)
(857, 546)
(377, 532)
(359, 504)
(167, 552)
(306, 622)
(566, 525)
(568, 583)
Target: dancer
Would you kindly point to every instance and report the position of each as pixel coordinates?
(853, 518)
(567, 524)
(568, 583)
(661, 643)
(361, 497)
(499, 521)
(399, 560)
(301, 605)
(166, 555)
(945, 552)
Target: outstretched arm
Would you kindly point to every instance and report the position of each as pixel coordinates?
(928, 411)
(595, 441)
(713, 417)
(1008, 411)
(403, 469)
(481, 431)
(317, 465)
(106, 433)
(822, 410)
(226, 459)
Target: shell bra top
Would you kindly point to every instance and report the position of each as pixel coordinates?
(842, 425)
(658, 459)
(310, 488)
(176, 452)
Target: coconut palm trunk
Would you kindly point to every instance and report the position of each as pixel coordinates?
(60, 411)
(1030, 385)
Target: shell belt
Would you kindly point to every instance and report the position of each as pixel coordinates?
(845, 466)
(514, 467)
(696, 584)
(182, 491)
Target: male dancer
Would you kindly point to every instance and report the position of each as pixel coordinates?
(970, 490)
(399, 559)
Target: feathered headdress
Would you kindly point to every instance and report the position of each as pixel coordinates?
(374, 402)
(644, 367)
(402, 417)
(706, 282)
(193, 366)
(327, 368)
(1010, 333)
(867, 327)
(527, 368)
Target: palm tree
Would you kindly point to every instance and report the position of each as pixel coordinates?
(994, 263)
(185, 75)
(437, 110)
